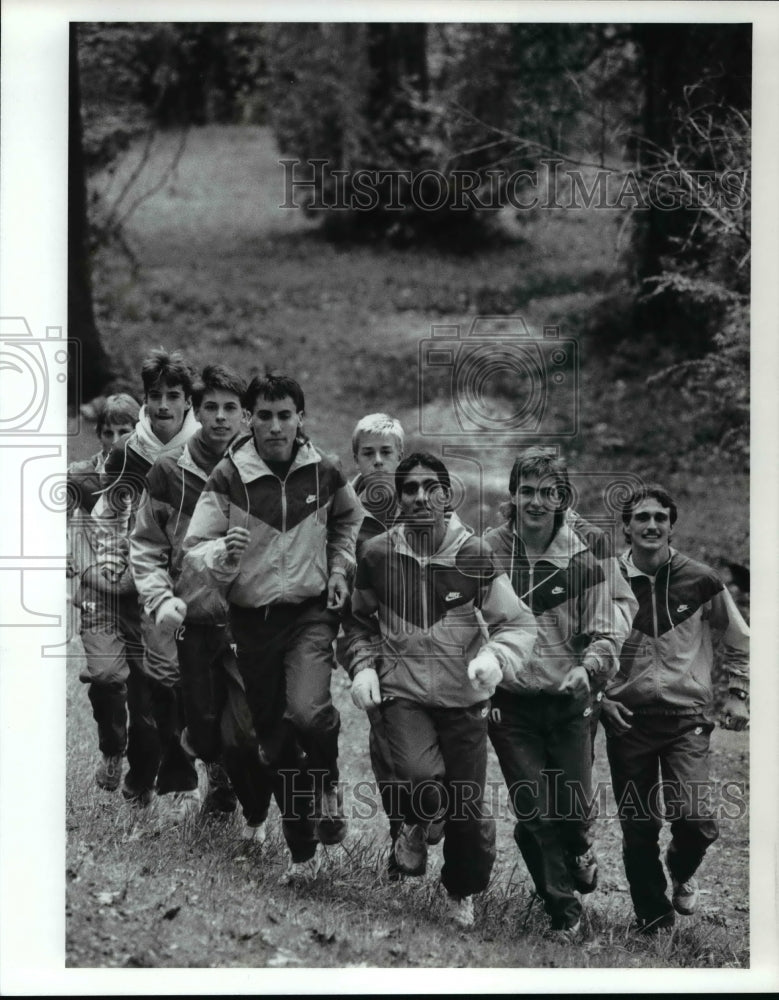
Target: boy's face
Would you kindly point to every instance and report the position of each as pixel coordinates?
(422, 498)
(221, 416)
(275, 425)
(166, 408)
(377, 453)
(112, 431)
(649, 527)
(536, 501)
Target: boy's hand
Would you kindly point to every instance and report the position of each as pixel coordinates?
(366, 692)
(113, 563)
(735, 713)
(616, 716)
(576, 681)
(170, 614)
(236, 541)
(484, 672)
(337, 591)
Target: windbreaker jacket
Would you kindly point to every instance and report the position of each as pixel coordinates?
(684, 611)
(173, 486)
(82, 533)
(379, 505)
(124, 472)
(302, 527)
(581, 606)
(124, 481)
(420, 621)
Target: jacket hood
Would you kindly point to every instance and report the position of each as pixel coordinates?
(146, 442)
(250, 466)
(456, 535)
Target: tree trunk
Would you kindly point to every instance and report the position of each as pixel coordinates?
(89, 368)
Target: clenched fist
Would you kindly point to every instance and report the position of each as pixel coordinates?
(236, 541)
(484, 672)
(170, 614)
(366, 692)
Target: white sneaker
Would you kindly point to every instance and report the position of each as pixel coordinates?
(685, 896)
(184, 806)
(301, 871)
(460, 910)
(256, 833)
(570, 934)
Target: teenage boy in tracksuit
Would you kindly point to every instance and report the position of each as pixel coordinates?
(377, 446)
(420, 665)
(106, 649)
(276, 524)
(154, 753)
(218, 723)
(658, 713)
(540, 721)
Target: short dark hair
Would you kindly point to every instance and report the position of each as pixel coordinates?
(274, 387)
(427, 461)
(216, 378)
(656, 492)
(170, 368)
(540, 463)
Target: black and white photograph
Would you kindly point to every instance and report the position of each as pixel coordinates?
(388, 402)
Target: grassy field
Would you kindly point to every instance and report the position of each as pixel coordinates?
(142, 893)
(224, 274)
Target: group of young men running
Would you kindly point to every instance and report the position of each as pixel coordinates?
(223, 565)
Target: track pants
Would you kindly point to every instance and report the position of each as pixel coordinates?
(438, 758)
(676, 750)
(544, 747)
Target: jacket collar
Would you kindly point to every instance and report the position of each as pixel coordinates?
(456, 534)
(630, 568)
(186, 461)
(565, 544)
(250, 466)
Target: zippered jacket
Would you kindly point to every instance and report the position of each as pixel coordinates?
(684, 612)
(581, 606)
(302, 528)
(379, 504)
(420, 621)
(124, 481)
(83, 535)
(173, 485)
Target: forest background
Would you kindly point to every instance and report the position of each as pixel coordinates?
(176, 237)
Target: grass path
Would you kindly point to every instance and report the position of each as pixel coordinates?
(227, 274)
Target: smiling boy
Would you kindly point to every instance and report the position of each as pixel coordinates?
(422, 669)
(658, 714)
(540, 720)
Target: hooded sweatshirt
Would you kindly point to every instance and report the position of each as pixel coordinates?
(684, 612)
(124, 480)
(419, 621)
